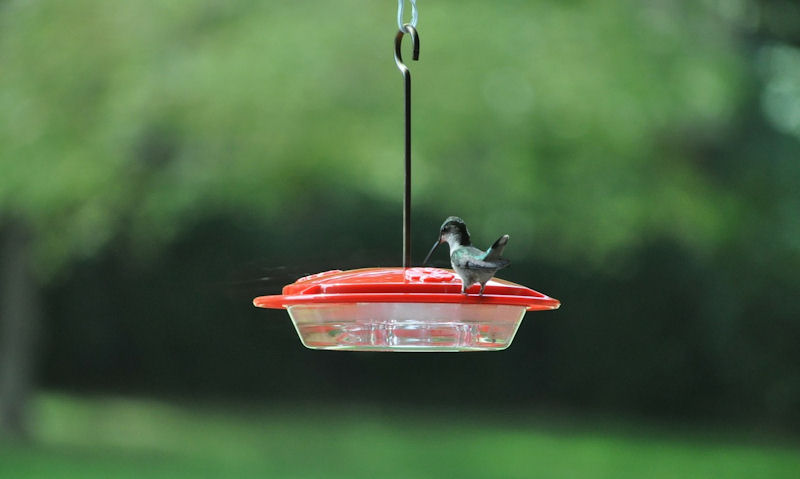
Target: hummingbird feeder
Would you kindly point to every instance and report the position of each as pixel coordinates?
(407, 308)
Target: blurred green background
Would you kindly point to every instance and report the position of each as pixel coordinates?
(162, 163)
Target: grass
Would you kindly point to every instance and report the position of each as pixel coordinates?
(78, 437)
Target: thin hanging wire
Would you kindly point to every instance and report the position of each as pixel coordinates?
(409, 29)
(400, 14)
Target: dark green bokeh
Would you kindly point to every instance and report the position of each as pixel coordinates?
(171, 161)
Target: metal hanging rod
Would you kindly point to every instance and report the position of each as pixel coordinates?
(406, 29)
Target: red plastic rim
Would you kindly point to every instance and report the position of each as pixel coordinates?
(401, 285)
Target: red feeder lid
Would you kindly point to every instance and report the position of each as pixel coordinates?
(401, 285)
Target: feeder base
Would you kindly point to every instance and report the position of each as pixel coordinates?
(406, 326)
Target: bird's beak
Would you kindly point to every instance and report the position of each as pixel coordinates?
(435, 245)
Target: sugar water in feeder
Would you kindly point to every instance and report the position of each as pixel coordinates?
(408, 308)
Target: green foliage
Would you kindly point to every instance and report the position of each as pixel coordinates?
(124, 438)
(144, 117)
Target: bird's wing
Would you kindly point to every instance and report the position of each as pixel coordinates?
(475, 263)
(494, 253)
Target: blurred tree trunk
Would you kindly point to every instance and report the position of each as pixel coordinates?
(19, 320)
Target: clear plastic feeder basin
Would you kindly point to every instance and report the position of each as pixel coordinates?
(404, 309)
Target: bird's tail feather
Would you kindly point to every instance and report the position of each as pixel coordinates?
(494, 253)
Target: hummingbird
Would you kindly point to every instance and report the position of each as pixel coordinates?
(471, 264)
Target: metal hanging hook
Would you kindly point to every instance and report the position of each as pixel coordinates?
(398, 47)
(398, 58)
